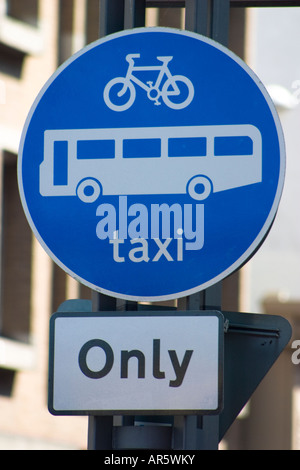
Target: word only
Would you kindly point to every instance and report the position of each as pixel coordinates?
(179, 368)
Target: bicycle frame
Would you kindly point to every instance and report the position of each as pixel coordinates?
(163, 70)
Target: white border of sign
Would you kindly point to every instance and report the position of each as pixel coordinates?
(72, 392)
(265, 229)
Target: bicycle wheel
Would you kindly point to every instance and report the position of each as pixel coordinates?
(115, 90)
(185, 91)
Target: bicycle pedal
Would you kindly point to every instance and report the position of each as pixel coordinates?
(150, 84)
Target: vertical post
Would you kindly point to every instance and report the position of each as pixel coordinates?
(199, 432)
(220, 21)
(210, 18)
(115, 15)
(100, 428)
(111, 16)
(134, 14)
(100, 432)
(197, 13)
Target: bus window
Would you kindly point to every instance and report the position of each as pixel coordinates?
(93, 149)
(141, 148)
(60, 164)
(187, 147)
(233, 145)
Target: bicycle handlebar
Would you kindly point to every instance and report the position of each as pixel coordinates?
(130, 57)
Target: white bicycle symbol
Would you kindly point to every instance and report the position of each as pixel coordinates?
(169, 89)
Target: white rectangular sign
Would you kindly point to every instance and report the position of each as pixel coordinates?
(145, 362)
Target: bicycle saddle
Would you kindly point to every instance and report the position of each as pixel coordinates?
(164, 59)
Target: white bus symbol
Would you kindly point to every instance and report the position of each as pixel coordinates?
(196, 160)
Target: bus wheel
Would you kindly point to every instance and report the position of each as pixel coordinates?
(88, 190)
(199, 188)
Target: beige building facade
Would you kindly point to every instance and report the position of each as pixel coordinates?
(35, 37)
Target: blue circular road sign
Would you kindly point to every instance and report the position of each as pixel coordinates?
(151, 164)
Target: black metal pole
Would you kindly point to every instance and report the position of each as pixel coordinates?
(100, 428)
(115, 15)
(210, 18)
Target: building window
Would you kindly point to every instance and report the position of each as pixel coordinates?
(16, 251)
(25, 10)
(19, 26)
